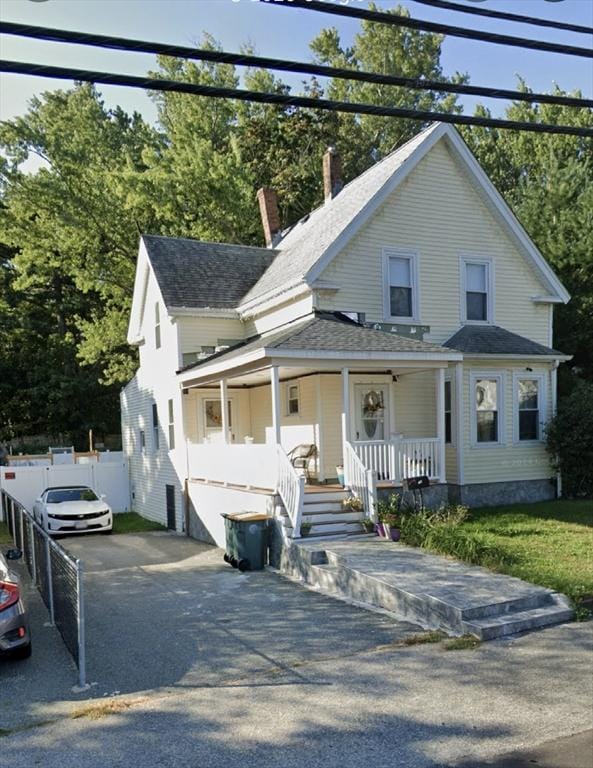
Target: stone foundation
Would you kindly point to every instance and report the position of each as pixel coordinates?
(498, 494)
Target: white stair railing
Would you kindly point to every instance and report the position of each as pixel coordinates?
(361, 481)
(291, 488)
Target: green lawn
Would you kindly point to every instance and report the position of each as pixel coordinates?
(130, 522)
(550, 543)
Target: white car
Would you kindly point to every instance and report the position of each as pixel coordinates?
(72, 509)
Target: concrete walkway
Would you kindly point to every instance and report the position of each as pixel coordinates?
(437, 592)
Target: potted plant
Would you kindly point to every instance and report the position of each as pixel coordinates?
(353, 503)
(305, 529)
(369, 525)
(388, 513)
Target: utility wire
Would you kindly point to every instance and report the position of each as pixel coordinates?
(247, 60)
(396, 20)
(283, 99)
(535, 20)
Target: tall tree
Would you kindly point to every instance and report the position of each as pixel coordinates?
(548, 182)
(388, 50)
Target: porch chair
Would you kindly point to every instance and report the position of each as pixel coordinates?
(301, 455)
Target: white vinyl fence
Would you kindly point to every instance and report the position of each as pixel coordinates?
(25, 484)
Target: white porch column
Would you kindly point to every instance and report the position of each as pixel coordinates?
(345, 405)
(275, 382)
(440, 403)
(459, 421)
(224, 410)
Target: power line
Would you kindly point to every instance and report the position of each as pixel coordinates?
(380, 17)
(247, 60)
(281, 99)
(535, 20)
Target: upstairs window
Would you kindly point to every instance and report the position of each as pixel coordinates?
(157, 326)
(477, 291)
(171, 426)
(155, 427)
(401, 285)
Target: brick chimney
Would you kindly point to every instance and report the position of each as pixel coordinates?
(332, 173)
(270, 218)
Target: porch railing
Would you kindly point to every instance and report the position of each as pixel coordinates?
(361, 481)
(291, 488)
(404, 457)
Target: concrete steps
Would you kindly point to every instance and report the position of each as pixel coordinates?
(422, 588)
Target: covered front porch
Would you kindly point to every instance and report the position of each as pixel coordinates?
(370, 418)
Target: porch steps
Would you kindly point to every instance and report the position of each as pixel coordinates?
(432, 591)
(323, 509)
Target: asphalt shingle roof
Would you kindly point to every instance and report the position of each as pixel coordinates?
(307, 241)
(493, 340)
(326, 332)
(192, 273)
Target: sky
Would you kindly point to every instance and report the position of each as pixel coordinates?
(280, 33)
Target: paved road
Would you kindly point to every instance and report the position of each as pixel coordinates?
(253, 670)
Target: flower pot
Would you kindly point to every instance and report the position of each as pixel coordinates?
(340, 474)
(394, 534)
(380, 527)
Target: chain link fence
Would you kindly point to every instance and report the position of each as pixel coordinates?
(57, 575)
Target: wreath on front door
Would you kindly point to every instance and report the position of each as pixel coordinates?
(372, 403)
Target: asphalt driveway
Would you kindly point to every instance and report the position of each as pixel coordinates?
(207, 666)
(164, 611)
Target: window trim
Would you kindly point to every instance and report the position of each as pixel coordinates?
(287, 412)
(500, 378)
(413, 256)
(451, 383)
(541, 402)
(488, 262)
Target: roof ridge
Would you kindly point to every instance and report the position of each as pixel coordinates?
(357, 178)
(211, 242)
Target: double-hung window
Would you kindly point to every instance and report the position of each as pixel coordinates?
(488, 394)
(292, 399)
(157, 326)
(477, 290)
(171, 425)
(529, 405)
(448, 421)
(401, 285)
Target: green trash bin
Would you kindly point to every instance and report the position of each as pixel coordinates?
(246, 540)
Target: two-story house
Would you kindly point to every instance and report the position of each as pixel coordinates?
(402, 328)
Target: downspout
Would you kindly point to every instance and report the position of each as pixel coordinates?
(554, 376)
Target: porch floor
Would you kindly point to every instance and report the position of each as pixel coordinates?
(434, 591)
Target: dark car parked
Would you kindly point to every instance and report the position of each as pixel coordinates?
(15, 635)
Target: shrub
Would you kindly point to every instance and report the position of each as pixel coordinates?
(440, 531)
(389, 511)
(569, 438)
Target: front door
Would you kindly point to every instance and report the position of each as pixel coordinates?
(371, 412)
(213, 421)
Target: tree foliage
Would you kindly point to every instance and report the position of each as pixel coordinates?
(70, 230)
(570, 440)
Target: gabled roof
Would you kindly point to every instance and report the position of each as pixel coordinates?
(307, 249)
(196, 274)
(327, 332)
(493, 340)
